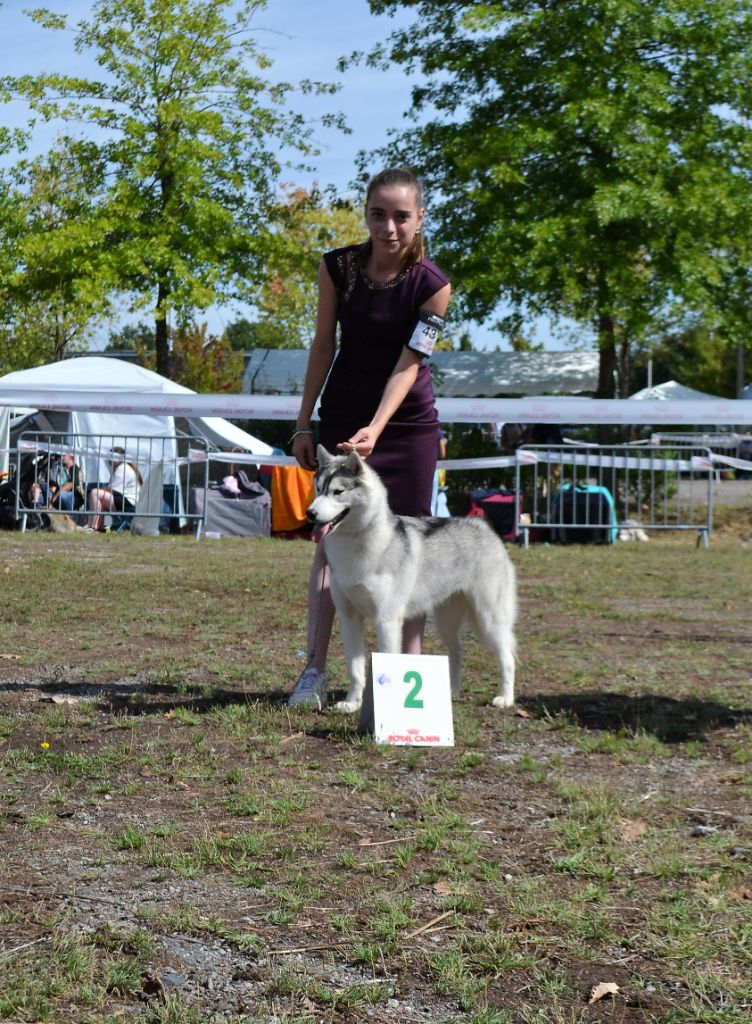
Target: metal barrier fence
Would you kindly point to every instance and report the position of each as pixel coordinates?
(720, 443)
(561, 491)
(56, 473)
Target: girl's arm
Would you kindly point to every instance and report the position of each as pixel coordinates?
(320, 359)
(397, 386)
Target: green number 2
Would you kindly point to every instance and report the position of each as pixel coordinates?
(411, 701)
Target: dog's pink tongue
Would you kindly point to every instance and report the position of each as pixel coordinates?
(318, 531)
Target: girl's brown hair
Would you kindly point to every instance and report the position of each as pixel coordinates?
(400, 177)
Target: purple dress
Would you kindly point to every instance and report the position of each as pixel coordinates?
(376, 322)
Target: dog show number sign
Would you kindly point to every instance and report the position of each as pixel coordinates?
(412, 701)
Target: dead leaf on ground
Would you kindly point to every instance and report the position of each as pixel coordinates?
(442, 889)
(521, 712)
(604, 988)
(631, 830)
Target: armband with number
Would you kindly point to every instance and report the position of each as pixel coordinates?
(426, 332)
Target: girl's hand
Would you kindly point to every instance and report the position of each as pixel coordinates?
(303, 450)
(363, 442)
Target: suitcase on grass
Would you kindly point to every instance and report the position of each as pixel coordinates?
(584, 514)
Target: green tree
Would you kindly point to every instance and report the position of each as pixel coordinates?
(200, 361)
(241, 335)
(305, 225)
(189, 132)
(50, 299)
(131, 338)
(590, 158)
(693, 354)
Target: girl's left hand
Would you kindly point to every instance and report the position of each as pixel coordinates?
(363, 442)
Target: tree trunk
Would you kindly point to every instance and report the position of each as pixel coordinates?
(60, 342)
(607, 361)
(161, 345)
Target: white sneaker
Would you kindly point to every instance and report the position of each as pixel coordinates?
(310, 690)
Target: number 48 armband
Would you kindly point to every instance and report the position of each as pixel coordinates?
(426, 332)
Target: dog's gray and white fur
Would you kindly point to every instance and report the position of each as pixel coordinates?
(390, 568)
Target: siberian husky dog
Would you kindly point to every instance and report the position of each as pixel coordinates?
(389, 568)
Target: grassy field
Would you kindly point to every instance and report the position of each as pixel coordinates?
(177, 847)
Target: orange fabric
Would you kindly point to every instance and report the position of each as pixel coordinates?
(292, 493)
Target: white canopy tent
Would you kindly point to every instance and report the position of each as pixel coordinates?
(4, 436)
(100, 374)
(672, 390)
(150, 440)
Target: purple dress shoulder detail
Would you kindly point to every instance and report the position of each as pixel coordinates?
(375, 324)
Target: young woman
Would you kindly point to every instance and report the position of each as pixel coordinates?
(387, 299)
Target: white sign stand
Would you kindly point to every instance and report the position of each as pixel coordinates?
(412, 700)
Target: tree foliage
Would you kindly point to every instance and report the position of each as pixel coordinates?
(188, 134)
(50, 299)
(693, 354)
(305, 225)
(199, 360)
(591, 158)
(131, 338)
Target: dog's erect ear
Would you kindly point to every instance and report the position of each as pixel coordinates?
(354, 463)
(323, 457)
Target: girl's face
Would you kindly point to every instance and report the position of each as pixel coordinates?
(393, 217)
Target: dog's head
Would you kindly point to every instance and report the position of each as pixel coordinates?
(337, 483)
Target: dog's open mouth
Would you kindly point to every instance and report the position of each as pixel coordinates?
(320, 530)
(337, 519)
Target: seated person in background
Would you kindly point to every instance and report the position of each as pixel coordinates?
(120, 494)
(64, 492)
(68, 496)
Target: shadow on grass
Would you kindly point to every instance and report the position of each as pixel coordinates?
(669, 720)
(146, 697)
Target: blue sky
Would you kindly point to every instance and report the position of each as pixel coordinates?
(305, 39)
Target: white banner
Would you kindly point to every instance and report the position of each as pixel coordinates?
(568, 411)
(588, 456)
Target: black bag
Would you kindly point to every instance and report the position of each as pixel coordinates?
(590, 510)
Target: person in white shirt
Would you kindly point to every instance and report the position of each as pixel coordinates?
(120, 494)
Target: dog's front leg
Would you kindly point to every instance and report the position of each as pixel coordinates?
(389, 635)
(388, 641)
(352, 628)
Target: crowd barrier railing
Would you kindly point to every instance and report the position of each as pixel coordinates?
(168, 467)
(562, 491)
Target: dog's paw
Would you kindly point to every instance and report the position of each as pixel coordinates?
(347, 707)
(501, 702)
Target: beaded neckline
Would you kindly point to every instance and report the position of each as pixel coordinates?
(375, 286)
(350, 266)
